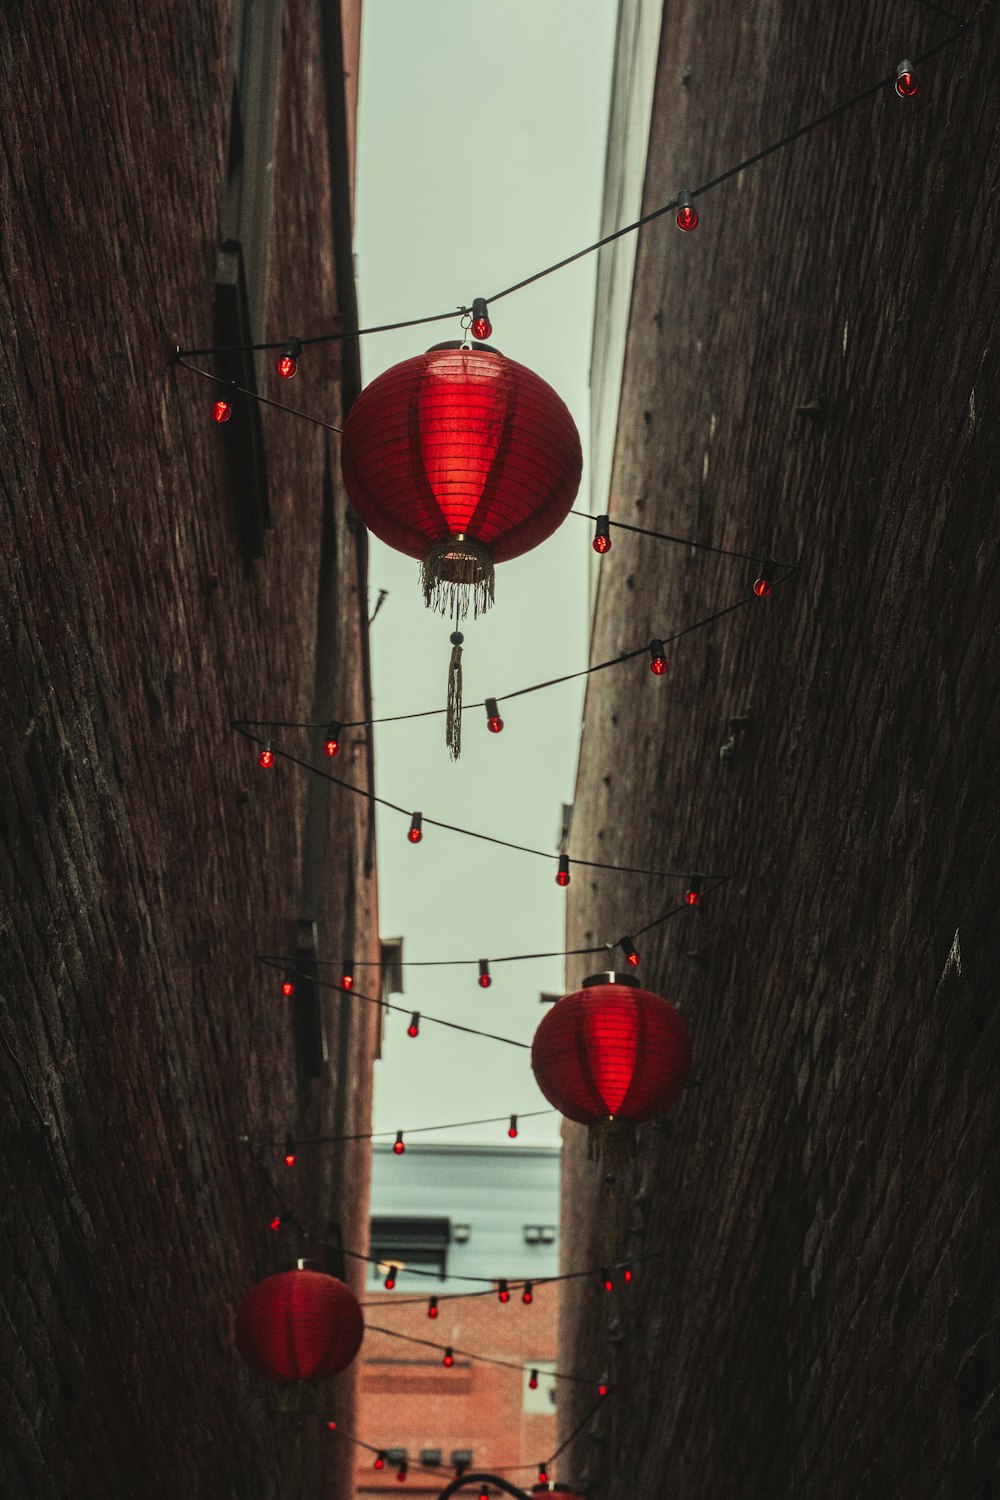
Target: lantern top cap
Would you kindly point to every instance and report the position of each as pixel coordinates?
(610, 977)
(472, 345)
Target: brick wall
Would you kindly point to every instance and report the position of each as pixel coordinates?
(408, 1399)
(822, 1321)
(144, 857)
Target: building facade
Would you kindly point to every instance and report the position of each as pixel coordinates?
(178, 175)
(447, 1222)
(808, 376)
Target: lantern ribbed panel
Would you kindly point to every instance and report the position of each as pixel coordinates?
(461, 442)
(612, 1050)
(299, 1325)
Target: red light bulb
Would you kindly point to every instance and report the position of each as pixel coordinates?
(533, 1383)
(602, 535)
(512, 1128)
(627, 1274)
(657, 658)
(221, 411)
(288, 362)
(906, 80)
(379, 1461)
(390, 1279)
(503, 1291)
(484, 974)
(277, 1222)
(692, 896)
(527, 1296)
(266, 758)
(449, 1359)
(288, 988)
(687, 214)
(401, 1474)
(416, 832)
(562, 874)
(414, 1027)
(289, 1152)
(602, 1389)
(332, 1425)
(608, 1280)
(481, 325)
(432, 1308)
(543, 1477)
(331, 745)
(631, 956)
(348, 977)
(494, 723)
(397, 1144)
(764, 585)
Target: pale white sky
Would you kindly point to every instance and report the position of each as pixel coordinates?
(480, 160)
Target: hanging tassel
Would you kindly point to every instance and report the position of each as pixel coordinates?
(453, 721)
(455, 572)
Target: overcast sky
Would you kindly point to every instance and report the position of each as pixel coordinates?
(480, 160)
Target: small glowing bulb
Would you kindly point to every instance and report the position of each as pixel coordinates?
(277, 1222)
(481, 325)
(627, 1274)
(602, 535)
(562, 874)
(533, 1381)
(397, 1144)
(512, 1128)
(288, 362)
(608, 1280)
(390, 1279)
(401, 1474)
(764, 585)
(527, 1296)
(692, 896)
(687, 214)
(416, 832)
(503, 1291)
(331, 745)
(657, 658)
(494, 723)
(432, 1307)
(348, 977)
(543, 1477)
(379, 1461)
(289, 1152)
(221, 411)
(414, 1027)
(266, 758)
(484, 974)
(906, 80)
(332, 1425)
(602, 1389)
(631, 956)
(288, 987)
(449, 1358)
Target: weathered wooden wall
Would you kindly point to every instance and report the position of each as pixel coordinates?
(822, 1320)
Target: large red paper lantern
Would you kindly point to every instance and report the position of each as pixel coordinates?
(611, 1054)
(464, 459)
(299, 1325)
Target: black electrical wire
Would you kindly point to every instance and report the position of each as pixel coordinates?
(479, 1359)
(328, 1140)
(231, 385)
(683, 541)
(657, 213)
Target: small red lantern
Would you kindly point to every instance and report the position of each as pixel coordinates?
(611, 1055)
(464, 459)
(299, 1325)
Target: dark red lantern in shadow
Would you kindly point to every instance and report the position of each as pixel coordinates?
(611, 1055)
(299, 1325)
(462, 458)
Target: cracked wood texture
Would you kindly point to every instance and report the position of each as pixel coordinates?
(821, 1321)
(144, 858)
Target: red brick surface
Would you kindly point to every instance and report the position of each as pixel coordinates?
(144, 858)
(822, 1320)
(409, 1400)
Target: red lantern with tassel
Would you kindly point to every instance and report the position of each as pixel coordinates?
(611, 1055)
(299, 1325)
(464, 459)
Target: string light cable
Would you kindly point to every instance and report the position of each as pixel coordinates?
(959, 24)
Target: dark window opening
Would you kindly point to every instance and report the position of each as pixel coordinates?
(422, 1243)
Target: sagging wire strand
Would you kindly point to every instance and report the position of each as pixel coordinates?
(786, 571)
(462, 311)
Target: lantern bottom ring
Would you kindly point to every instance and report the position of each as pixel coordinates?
(456, 573)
